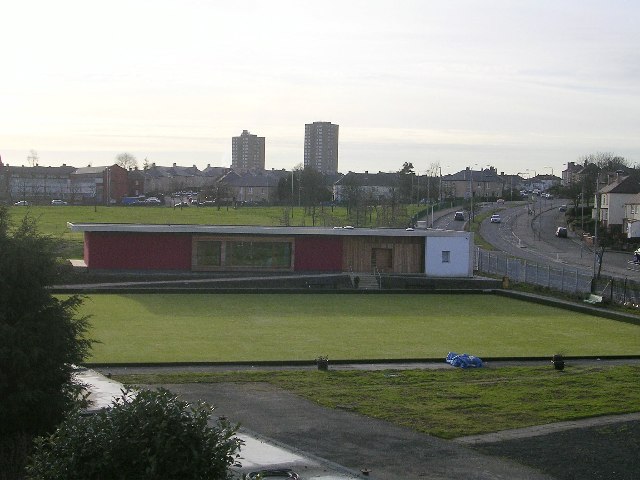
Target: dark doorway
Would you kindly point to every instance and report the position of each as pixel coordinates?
(382, 259)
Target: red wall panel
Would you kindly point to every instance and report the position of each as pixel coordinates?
(322, 254)
(137, 251)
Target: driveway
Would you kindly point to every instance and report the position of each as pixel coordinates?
(351, 440)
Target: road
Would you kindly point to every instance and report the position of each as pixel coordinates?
(531, 236)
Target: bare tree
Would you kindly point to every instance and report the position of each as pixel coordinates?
(32, 158)
(126, 161)
(606, 161)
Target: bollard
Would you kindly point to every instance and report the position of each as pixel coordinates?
(558, 362)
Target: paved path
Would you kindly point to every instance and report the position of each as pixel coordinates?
(540, 430)
(354, 441)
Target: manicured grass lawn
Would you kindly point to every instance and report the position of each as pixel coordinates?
(249, 327)
(452, 402)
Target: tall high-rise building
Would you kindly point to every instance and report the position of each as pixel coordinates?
(321, 146)
(247, 152)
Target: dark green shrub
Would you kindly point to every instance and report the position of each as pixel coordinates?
(151, 435)
(41, 337)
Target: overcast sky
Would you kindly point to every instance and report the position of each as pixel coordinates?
(519, 85)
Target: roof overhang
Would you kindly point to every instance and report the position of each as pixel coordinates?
(259, 230)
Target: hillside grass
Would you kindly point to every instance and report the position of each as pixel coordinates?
(142, 328)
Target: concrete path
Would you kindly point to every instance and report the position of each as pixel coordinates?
(283, 430)
(258, 452)
(540, 430)
(355, 442)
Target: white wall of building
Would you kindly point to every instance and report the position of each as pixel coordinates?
(449, 256)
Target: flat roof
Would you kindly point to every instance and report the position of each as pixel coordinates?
(260, 230)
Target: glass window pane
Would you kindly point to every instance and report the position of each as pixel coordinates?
(208, 253)
(258, 254)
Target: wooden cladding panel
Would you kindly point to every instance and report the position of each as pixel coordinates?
(407, 256)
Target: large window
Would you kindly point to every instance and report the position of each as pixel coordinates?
(208, 253)
(262, 254)
(242, 254)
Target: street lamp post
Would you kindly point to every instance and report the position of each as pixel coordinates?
(471, 195)
(440, 188)
(582, 208)
(595, 237)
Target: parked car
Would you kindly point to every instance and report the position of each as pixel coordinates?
(563, 208)
(182, 205)
(495, 218)
(58, 202)
(459, 216)
(152, 201)
(22, 203)
(275, 473)
(133, 201)
(561, 232)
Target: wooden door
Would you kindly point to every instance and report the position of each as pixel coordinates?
(382, 259)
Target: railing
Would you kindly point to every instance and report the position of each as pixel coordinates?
(618, 290)
(378, 275)
(562, 278)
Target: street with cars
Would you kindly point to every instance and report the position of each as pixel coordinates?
(536, 230)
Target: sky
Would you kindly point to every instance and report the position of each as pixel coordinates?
(524, 86)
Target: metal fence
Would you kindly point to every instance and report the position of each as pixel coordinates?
(561, 278)
(618, 290)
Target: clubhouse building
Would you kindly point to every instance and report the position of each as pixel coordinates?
(224, 248)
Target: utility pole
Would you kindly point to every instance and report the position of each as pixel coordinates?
(471, 192)
(440, 189)
(428, 190)
(595, 237)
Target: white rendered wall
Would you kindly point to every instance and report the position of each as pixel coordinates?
(460, 250)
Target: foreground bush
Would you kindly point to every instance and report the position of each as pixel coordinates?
(150, 436)
(41, 337)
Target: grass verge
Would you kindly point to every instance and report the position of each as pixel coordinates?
(450, 403)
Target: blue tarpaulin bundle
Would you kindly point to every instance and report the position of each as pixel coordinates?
(463, 360)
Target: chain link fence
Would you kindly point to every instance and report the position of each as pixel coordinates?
(562, 278)
(618, 290)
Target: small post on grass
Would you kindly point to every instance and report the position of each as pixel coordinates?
(558, 361)
(323, 363)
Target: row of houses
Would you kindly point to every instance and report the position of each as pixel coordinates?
(618, 206)
(616, 194)
(110, 184)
